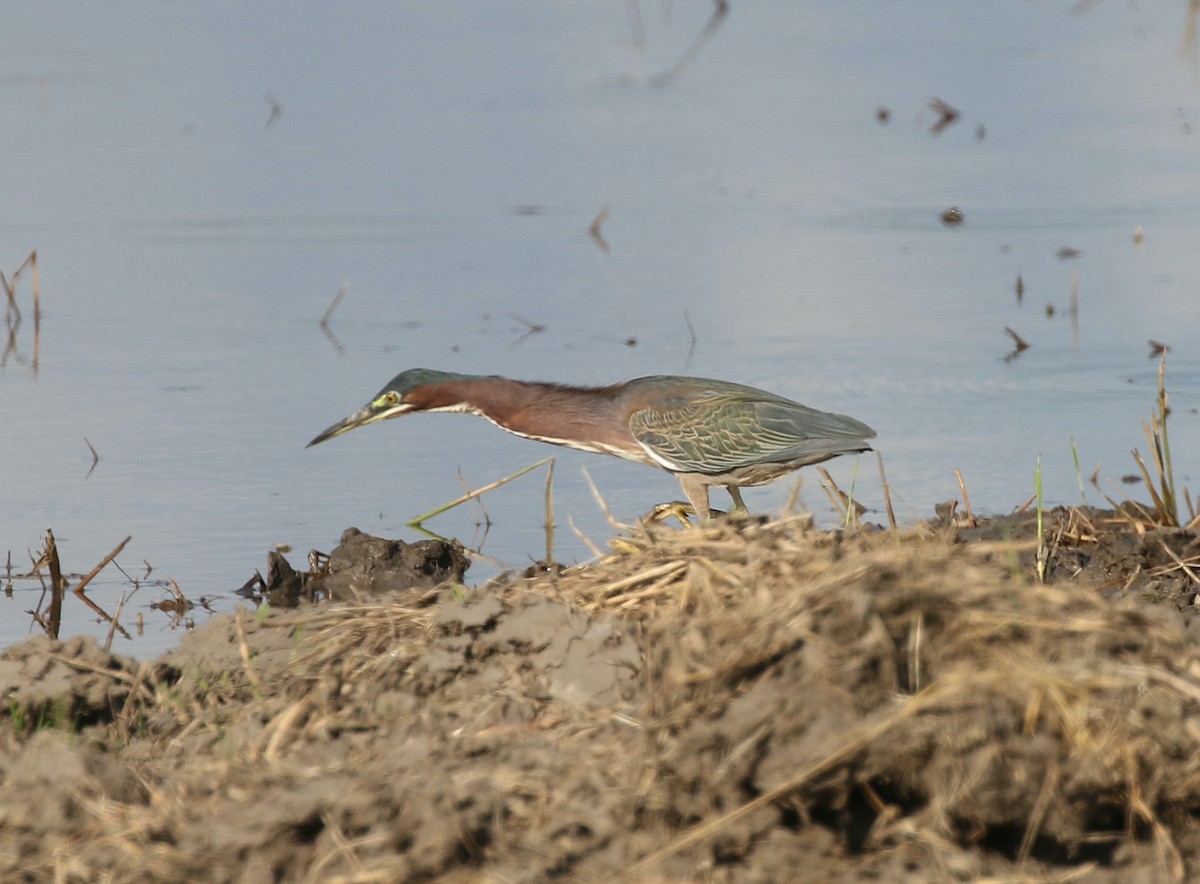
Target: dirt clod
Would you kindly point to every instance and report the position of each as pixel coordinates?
(755, 702)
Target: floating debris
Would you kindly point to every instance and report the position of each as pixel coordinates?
(946, 116)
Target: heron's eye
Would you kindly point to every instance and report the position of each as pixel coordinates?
(392, 398)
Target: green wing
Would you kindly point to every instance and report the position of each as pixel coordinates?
(715, 433)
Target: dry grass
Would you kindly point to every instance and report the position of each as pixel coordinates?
(952, 709)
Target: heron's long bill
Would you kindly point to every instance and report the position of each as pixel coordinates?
(370, 414)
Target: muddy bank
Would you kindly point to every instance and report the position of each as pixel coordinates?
(748, 703)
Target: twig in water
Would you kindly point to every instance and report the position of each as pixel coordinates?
(337, 299)
(78, 590)
(692, 333)
(95, 458)
(710, 28)
(594, 229)
(946, 116)
(416, 522)
(534, 328)
(549, 524)
(487, 519)
(1021, 344)
(276, 108)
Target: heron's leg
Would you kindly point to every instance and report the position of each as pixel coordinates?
(697, 493)
(739, 506)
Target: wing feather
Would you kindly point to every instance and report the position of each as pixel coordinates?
(718, 432)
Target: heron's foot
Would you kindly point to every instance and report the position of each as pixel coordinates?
(681, 510)
(739, 506)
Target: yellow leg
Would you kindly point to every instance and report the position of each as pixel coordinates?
(697, 493)
(739, 506)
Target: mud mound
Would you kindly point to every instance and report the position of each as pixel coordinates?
(751, 703)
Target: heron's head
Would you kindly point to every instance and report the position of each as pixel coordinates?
(399, 396)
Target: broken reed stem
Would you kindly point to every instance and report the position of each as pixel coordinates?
(962, 486)
(1180, 562)
(598, 221)
(462, 480)
(587, 541)
(914, 651)
(11, 311)
(1163, 449)
(1041, 537)
(244, 648)
(1038, 816)
(603, 504)
(416, 522)
(108, 558)
(10, 289)
(57, 584)
(37, 288)
(833, 493)
(887, 499)
(549, 508)
(337, 299)
(84, 666)
(1159, 506)
(116, 619)
(851, 509)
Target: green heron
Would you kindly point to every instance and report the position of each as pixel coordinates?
(705, 432)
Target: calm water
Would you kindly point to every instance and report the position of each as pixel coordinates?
(444, 161)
